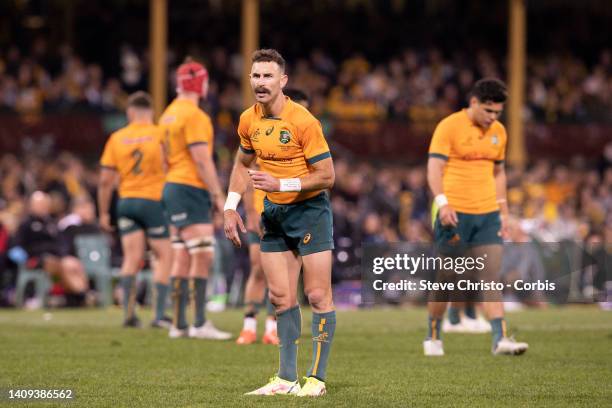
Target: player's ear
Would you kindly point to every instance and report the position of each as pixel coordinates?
(284, 79)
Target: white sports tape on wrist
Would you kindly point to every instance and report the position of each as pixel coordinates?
(232, 201)
(292, 184)
(441, 200)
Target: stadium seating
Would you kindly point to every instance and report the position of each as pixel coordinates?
(41, 281)
(95, 254)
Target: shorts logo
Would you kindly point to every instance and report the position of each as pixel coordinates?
(179, 217)
(454, 239)
(125, 223)
(285, 136)
(157, 230)
(321, 338)
(269, 130)
(307, 238)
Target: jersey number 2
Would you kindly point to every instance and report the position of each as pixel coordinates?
(137, 155)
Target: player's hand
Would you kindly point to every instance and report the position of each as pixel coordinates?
(105, 223)
(504, 231)
(264, 181)
(231, 222)
(448, 216)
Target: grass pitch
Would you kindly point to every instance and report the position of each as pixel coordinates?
(376, 360)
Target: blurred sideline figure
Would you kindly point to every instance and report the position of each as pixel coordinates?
(37, 244)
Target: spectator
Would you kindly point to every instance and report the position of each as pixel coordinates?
(36, 245)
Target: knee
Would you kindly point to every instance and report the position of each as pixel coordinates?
(319, 298)
(280, 301)
(72, 265)
(131, 264)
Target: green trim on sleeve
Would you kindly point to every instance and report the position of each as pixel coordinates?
(438, 156)
(246, 151)
(318, 157)
(196, 144)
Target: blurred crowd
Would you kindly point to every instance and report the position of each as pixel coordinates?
(414, 85)
(372, 203)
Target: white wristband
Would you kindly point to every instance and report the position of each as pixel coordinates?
(441, 200)
(232, 201)
(292, 184)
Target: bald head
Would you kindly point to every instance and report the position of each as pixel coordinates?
(40, 204)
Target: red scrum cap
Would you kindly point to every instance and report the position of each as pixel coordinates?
(191, 77)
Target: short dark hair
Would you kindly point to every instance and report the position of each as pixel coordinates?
(490, 90)
(269, 55)
(140, 99)
(296, 95)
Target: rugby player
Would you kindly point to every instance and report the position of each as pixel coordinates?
(466, 175)
(255, 288)
(296, 169)
(191, 191)
(132, 154)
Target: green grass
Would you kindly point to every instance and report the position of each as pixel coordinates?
(376, 361)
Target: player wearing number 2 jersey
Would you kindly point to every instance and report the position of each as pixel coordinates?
(133, 154)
